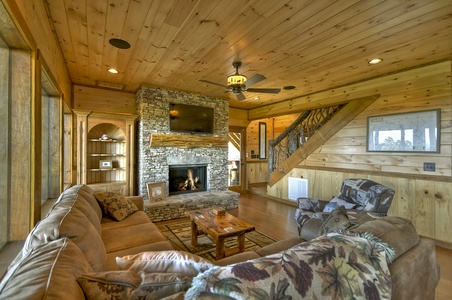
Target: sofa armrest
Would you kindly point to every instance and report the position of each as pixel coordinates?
(137, 200)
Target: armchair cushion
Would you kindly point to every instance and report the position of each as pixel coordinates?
(367, 194)
(337, 202)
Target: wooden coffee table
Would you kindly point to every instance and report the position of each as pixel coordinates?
(218, 228)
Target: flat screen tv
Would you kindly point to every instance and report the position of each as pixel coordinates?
(191, 118)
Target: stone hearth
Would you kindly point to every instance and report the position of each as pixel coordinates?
(175, 206)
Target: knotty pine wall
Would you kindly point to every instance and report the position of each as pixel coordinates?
(423, 197)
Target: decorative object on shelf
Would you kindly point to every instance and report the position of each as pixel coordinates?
(156, 191)
(104, 137)
(406, 132)
(105, 164)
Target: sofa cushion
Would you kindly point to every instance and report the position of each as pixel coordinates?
(47, 272)
(337, 220)
(165, 262)
(139, 217)
(115, 205)
(71, 223)
(87, 193)
(132, 285)
(397, 232)
(131, 236)
(69, 200)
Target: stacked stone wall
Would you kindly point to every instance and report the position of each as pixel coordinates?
(152, 162)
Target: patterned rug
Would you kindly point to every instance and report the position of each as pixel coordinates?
(178, 233)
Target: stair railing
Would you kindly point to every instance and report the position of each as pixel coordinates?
(297, 134)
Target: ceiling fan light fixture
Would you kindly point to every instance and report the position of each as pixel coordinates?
(236, 80)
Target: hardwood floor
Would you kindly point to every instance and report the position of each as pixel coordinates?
(276, 219)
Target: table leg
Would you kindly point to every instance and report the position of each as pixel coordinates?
(241, 242)
(220, 249)
(194, 234)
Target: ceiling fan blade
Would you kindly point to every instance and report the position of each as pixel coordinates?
(214, 83)
(254, 79)
(263, 90)
(240, 96)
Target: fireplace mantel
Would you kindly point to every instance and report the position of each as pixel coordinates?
(187, 141)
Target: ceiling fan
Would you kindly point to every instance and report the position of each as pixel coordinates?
(238, 83)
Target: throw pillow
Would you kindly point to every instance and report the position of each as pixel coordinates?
(115, 205)
(165, 262)
(336, 202)
(337, 220)
(132, 285)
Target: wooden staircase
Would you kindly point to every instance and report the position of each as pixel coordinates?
(278, 168)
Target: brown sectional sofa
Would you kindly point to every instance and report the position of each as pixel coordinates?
(76, 239)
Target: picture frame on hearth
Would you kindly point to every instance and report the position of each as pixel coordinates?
(156, 191)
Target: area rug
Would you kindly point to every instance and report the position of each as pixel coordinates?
(178, 233)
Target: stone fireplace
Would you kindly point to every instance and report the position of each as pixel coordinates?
(154, 162)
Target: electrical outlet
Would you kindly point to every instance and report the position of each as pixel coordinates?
(429, 167)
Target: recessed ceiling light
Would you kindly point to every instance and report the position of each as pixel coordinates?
(375, 61)
(113, 71)
(289, 87)
(256, 98)
(119, 43)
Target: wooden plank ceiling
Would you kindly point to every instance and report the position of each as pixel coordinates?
(313, 45)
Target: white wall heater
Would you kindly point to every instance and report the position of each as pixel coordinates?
(298, 187)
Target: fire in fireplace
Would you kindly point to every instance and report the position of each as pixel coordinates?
(187, 179)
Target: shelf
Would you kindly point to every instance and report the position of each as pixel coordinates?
(98, 170)
(105, 154)
(107, 141)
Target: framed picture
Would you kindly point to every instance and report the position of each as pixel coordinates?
(262, 140)
(156, 191)
(406, 132)
(105, 164)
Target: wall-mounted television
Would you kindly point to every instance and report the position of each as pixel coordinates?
(191, 118)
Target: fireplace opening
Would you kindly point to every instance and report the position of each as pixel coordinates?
(187, 179)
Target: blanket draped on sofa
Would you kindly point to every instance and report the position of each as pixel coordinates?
(339, 265)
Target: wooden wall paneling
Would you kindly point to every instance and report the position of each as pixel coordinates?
(101, 100)
(238, 117)
(425, 208)
(404, 202)
(5, 150)
(443, 210)
(256, 171)
(21, 172)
